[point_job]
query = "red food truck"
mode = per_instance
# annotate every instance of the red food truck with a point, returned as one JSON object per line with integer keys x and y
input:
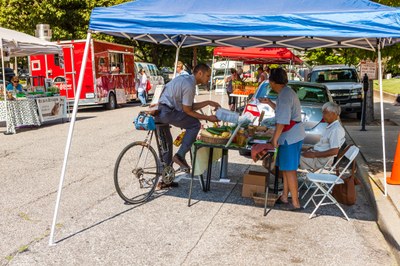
{"x": 109, "y": 77}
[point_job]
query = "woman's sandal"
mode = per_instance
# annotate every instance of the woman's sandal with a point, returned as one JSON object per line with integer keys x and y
{"x": 279, "y": 201}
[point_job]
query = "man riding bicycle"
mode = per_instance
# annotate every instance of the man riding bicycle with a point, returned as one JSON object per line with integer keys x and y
{"x": 177, "y": 107}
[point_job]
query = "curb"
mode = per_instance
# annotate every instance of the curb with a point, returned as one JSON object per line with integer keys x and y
{"x": 386, "y": 95}
{"x": 386, "y": 215}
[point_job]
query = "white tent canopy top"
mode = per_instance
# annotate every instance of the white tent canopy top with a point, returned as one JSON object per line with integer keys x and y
{"x": 21, "y": 44}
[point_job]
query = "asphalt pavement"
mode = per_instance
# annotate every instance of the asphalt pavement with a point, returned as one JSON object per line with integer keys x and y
{"x": 371, "y": 168}
{"x": 95, "y": 227}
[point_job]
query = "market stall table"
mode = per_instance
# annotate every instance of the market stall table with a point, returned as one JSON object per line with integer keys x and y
{"x": 241, "y": 100}
{"x": 20, "y": 113}
{"x": 206, "y": 184}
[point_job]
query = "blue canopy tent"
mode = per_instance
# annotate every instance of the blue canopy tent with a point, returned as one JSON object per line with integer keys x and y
{"x": 299, "y": 24}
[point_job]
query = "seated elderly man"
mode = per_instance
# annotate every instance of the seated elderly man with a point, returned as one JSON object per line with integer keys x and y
{"x": 316, "y": 157}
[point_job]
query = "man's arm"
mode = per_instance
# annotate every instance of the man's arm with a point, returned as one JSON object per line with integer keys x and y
{"x": 190, "y": 111}
{"x": 320, "y": 154}
{"x": 199, "y": 105}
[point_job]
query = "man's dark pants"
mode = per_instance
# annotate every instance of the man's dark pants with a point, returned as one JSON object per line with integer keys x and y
{"x": 168, "y": 115}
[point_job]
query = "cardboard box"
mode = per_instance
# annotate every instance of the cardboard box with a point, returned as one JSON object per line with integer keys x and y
{"x": 253, "y": 182}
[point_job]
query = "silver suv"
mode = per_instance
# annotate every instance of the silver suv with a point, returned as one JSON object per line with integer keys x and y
{"x": 343, "y": 84}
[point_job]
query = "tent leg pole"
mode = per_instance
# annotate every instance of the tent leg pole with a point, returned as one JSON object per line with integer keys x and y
{"x": 176, "y": 58}
{"x": 211, "y": 84}
{"x": 69, "y": 139}
{"x": 382, "y": 115}
{"x": 4, "y": 84}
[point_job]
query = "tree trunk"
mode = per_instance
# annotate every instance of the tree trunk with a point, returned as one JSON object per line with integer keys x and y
{"x": 194, "y": 57}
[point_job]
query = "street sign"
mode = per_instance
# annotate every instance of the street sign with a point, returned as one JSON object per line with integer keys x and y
{"x": 370, "y": 68}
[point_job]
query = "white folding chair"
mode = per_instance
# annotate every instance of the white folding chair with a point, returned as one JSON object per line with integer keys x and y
{"x": 303, "y": 172}
{"x": 325, "y": 181}
{"x": 302, "y": 176}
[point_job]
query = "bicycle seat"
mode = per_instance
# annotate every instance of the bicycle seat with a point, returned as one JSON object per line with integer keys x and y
{"x": 159, "y": 124}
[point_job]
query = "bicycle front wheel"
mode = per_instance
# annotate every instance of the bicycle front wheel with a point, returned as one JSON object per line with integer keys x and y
{"x": 136, "y": 172}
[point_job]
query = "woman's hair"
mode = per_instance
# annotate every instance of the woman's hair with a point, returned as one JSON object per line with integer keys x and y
{"x": 331, "y": 107}
{"x": 260, "y": 68}
{"x": 233, "y": 71}
{"x": 179, "y": 64}
{"x": 141, "y": 70}
{"x": 278, "y": 75}
{"x": 201, "y": 67}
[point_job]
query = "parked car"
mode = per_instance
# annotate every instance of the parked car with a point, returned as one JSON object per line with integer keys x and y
{"x": 167, "y": 73}
{"x": 9, "y": 73}
{"x": 343, "y": 83}
{"x": 312, "y": 96}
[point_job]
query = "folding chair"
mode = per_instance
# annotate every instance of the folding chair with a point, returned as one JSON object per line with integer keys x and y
{"x": 327, "y": 180}
{"x": 303, "y": 176}
{"x": 332, "y": 160}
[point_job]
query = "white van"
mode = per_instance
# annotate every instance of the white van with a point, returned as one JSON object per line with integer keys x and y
{"x": 152, "y": 72}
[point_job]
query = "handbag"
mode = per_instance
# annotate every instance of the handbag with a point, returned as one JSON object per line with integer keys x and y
{"x": 145, "y": 121}
{"x": 346, "y": 193}
{"x": 148, "y": 85}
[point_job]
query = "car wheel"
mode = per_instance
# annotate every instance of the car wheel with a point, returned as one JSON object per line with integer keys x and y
{"x": 112, "y": 102}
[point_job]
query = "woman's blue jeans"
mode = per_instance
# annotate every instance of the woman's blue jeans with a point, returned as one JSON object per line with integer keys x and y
{"x": 142, "y": 97}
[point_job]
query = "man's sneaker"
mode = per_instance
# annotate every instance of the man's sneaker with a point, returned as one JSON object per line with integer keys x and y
{"x": 162, "y": 185}
{"x": 181, "y": 162}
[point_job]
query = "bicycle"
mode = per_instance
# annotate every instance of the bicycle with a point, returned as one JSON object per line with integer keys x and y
{"x": 138, "y": 167}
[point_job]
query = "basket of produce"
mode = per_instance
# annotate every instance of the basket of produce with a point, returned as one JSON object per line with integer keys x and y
{"x": 215, "y": 135}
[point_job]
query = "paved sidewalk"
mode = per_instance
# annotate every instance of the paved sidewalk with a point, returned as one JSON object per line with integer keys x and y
{"x": 95, "y": 227}
{"x": 371, "y": 168}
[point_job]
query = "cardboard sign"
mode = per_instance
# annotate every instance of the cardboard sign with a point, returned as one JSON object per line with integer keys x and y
{"x": 370, "y": 68}
{"x": 51, "y": 108}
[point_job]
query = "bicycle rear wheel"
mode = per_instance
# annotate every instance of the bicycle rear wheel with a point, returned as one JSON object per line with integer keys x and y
{"x": 136, "y": 172}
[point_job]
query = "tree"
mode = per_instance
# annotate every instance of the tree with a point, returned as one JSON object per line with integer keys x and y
{"x": 352, "y": 56}
{"x": 69, "y": 19}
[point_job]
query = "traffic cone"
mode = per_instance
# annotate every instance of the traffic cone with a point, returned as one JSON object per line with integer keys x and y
{"x": 395, "y": 178}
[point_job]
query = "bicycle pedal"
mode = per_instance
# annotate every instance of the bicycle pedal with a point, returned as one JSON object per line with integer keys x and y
{"x": 183, "y": 170}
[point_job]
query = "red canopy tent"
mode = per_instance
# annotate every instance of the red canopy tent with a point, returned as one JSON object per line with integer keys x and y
{"x": 258, "y": 55}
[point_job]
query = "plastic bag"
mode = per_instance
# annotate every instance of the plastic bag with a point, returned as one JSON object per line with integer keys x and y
{"x": 145, "y": 122}
{"x": 227, "y": 115}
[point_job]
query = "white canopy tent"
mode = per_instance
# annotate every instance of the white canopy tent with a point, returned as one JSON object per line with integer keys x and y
{"x": 309, "y": 24}
{"x": 18, "y": 44}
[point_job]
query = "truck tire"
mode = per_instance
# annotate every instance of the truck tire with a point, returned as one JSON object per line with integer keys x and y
{"x": 112, "y": 102}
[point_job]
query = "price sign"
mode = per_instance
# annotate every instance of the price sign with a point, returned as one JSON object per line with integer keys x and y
{"x": 370, "y": 68}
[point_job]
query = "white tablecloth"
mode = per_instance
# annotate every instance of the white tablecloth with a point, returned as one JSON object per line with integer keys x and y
{"x": 20, "y": 113}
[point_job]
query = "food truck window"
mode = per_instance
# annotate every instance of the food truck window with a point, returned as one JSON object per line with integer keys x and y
{"x": 116, "y": 60}
{"x": 56, "y": 60}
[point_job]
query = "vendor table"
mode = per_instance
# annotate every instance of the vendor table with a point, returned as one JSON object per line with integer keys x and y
{"x": 241, "y": 100}
{"x": 20, "y": 113}
{"x": 32, "y": 111}
{"x": 206, "y": 185}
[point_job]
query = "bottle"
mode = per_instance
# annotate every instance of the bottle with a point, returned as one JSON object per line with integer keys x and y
{"x": 241, "y": 137}
{"x": 179, "y": 138}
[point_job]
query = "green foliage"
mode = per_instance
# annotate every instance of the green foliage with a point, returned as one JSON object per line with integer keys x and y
{"x": 389, "y": 85}
{"x": 69, "y": 20}
{"x": 352, "y": 56}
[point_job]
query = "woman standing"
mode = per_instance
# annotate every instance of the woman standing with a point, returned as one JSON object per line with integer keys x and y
{"x": 142, "y": 87}
{"x": 229, "y": 88}
{"x": 289, "y": 135}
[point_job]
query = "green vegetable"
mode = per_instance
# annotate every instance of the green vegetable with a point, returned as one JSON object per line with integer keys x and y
{"x": 213, "y": 131}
